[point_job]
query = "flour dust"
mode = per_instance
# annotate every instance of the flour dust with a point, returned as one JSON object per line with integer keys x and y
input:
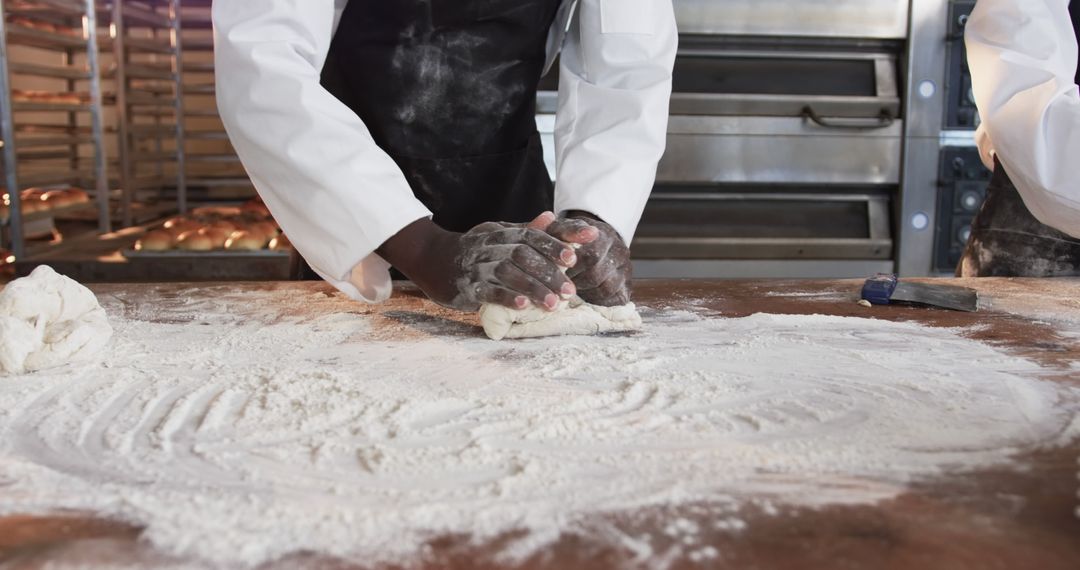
{"x": 241, "y": 429}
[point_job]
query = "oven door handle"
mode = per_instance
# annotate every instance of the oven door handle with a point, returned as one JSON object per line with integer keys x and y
{"x": 882, "y": 121}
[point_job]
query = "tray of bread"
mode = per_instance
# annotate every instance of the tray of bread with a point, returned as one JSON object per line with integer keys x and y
{"x": 215, "y": 231}
{"x": 53, "y": 97}
{"x": 42, "y": 203}
{"x": 42, "y": 26}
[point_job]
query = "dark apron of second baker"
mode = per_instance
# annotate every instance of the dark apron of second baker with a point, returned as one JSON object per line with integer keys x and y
{"x": 447, "y": 88}
{"x": 1007, "y": 240}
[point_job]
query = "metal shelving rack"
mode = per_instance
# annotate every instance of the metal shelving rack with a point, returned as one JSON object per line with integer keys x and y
{"x": 148, "y": 71}
{"x": 213, "y": 166}
{"x": 19, "y": 138}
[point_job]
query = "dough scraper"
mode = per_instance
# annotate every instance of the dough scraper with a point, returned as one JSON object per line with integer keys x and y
{"x": 885, "y": 288}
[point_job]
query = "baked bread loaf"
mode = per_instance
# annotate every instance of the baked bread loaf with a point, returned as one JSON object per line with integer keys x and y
{"x": 57, "y": 199}
{"x": 280, "y": 243}
{"x": 217, "y": 236}
{"x": 245, "y": 241}
{"x": 269, "y": 230}
{"x": 257, "y": 208}
{"x": 32, "y": 202}
{"x": 216, "y": 212}
{"x": 156, "y": 240}
{"x": 179, "y": 227}
{"x": 223, "y": 225}
{"x": 194, "y": 241}
{"x": 77, "y": 196}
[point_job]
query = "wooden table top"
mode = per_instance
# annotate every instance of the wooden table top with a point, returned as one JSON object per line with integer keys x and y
{"x": 1003, "y": 517}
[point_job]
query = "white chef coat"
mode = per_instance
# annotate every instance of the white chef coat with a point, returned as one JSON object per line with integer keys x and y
{"x": 338, "y": 196}
{"x": 1023, "y": 58}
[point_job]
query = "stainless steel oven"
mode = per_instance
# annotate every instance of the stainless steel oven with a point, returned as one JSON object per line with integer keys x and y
{"x": 790, "y": 138}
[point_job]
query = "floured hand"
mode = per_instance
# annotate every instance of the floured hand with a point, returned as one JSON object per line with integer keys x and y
{"x": 512, "y": 265}
{"x": 603, "y": 270}
{"x": 601, "y": 277}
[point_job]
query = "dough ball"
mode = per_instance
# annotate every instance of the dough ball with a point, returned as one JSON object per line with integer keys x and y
{"x": 246, "y": 241}
{"x": 49, "y": 320}
{"x": 156, "y": 240}
{"x": 194, "y": 241}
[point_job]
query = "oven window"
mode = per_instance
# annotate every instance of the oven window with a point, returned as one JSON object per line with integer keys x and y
{"x": 765, "y": 76}
{"x": 750, "y": 218}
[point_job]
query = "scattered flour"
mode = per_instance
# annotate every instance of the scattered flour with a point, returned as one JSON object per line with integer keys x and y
{"x": 250, "y": 426}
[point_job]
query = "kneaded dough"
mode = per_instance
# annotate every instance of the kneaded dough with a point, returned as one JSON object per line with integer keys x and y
{"x": 48, "y": 320}
{"x": 573, "y": 317}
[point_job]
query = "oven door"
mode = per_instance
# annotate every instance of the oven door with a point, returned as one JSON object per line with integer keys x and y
{"x": 779, "y": 150}
{"x": 777, "y": 188}
{"x": 792, "y": 223}
{"x": 841, "y": 84}
{"x": 793, "y": 78}
{"x": 881, "y": 19}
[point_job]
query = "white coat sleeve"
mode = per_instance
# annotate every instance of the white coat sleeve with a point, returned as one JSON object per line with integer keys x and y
{"x": 1023, "y": 58}
{"x": 614, "y": 94}
{"x": 335, "y": 193}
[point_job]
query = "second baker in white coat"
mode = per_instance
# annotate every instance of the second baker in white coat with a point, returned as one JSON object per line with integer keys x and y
{"x": 1023, "y": 60}
{"x": 403, "y": 133}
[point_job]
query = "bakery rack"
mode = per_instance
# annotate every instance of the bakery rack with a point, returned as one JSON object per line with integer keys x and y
{"x": 42, "y": 136}
{"x": 147, "y": 66}
{"x": 214, "y": 169}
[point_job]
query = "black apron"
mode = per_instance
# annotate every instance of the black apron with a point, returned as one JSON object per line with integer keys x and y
{"x": 1007, "y": 240}
{"x": 447, "y": 88}
{"x": 1074, "y": 14}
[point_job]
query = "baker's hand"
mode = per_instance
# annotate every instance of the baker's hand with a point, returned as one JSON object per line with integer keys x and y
{"x": 507, "y": 264}
{"x": 603, "y": 270}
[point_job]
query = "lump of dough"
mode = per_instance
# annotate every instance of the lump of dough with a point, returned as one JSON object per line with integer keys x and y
{"x": 574, "y": 317}
{"x": 18, "y": 339}
{"x": 49, "y": 320}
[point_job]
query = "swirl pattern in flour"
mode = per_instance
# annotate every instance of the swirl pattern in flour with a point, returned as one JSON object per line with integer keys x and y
{"x": 245, "y": 428}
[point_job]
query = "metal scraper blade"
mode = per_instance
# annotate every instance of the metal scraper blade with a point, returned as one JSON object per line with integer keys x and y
{"x": 945, "y": 296}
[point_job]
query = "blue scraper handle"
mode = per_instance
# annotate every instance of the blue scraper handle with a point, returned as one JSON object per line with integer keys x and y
{"x": 879, "y": 289}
